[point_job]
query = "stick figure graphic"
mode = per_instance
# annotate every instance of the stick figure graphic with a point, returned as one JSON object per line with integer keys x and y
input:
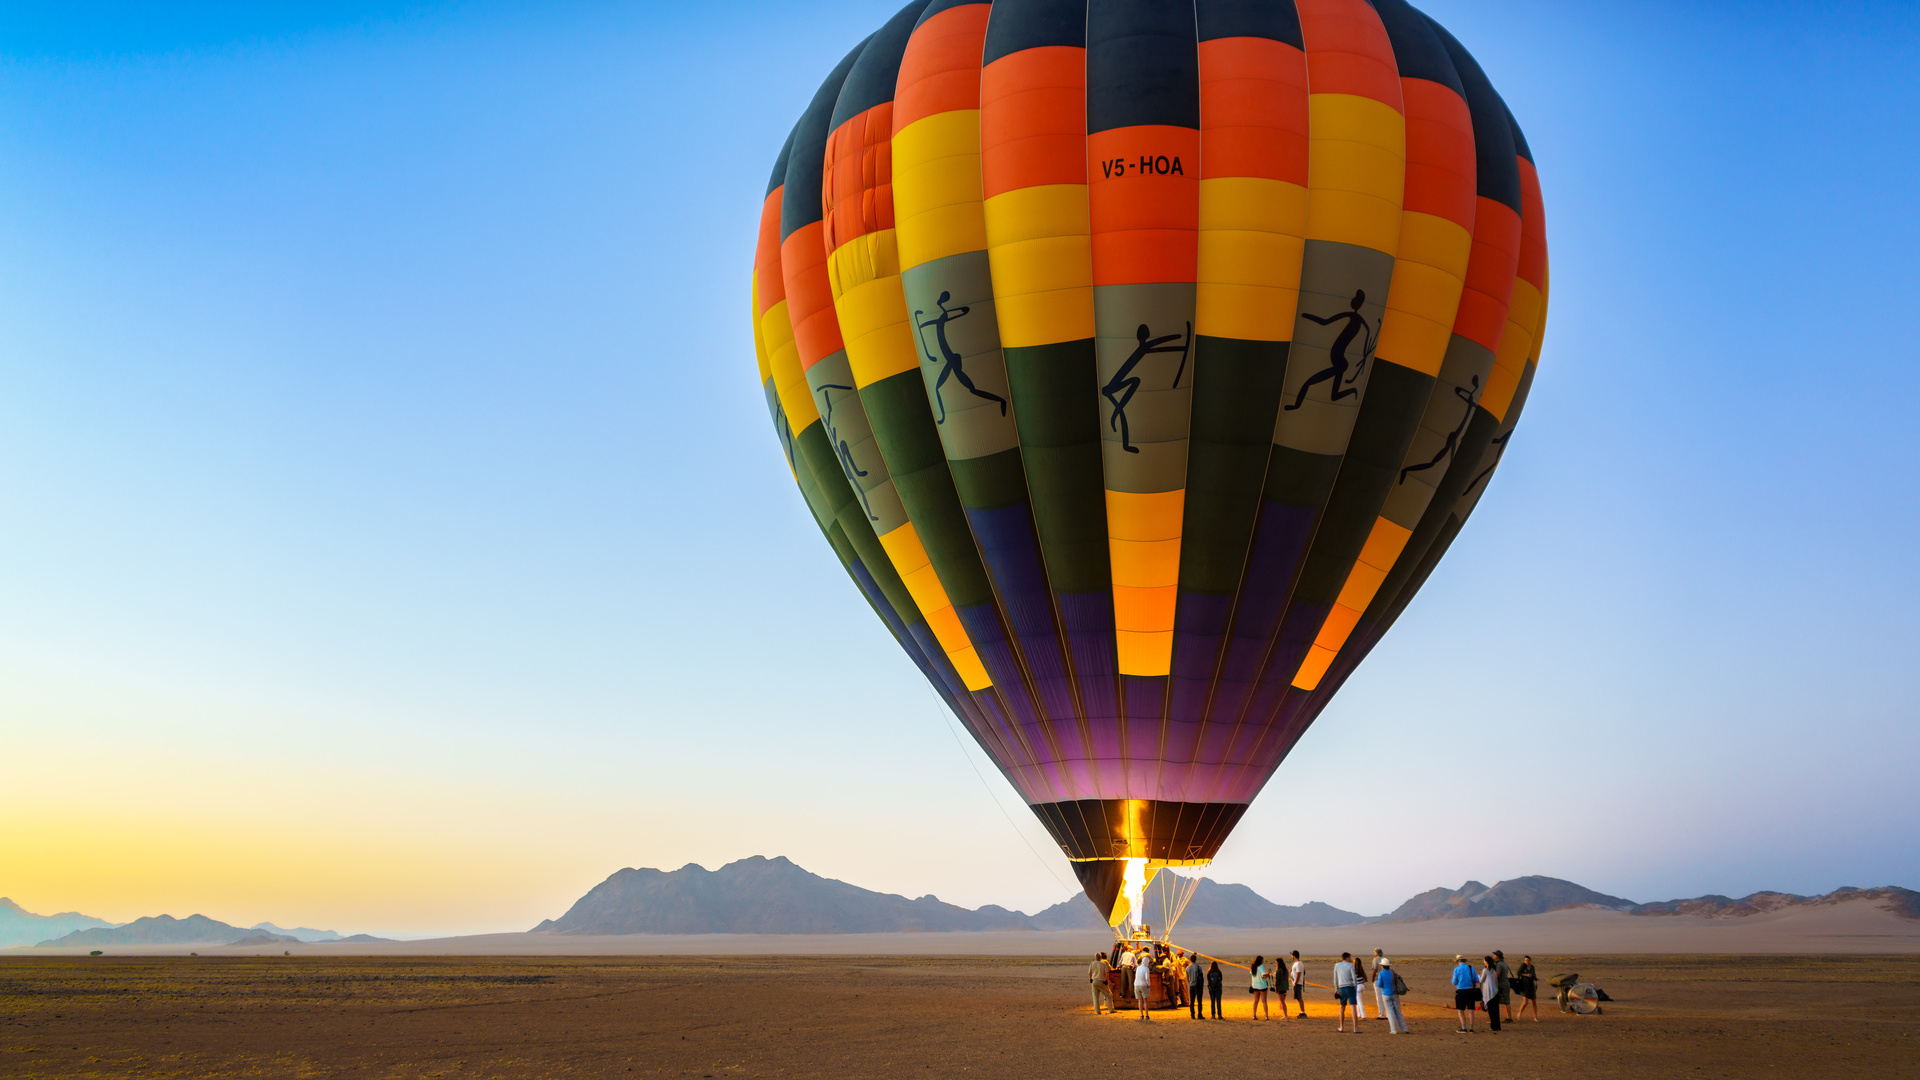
{"x": 1453, "y": 437}
{"x": 845, "y": 452}
{"x": 1356, "y": 325}
{"x": 1500, "y": 442}
{"x": 1121, "y": 388}
{"x": 952, "y": 359}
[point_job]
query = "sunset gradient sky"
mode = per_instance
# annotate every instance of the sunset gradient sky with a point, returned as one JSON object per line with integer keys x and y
{"x": 391, "y": 535}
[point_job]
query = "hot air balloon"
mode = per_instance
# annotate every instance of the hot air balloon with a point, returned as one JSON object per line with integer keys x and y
{"x": 1138, "y": 360}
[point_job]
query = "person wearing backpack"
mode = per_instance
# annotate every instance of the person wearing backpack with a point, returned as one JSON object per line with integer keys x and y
{"x": 1214, "y": 981}
{"x": 1387, "y": 988}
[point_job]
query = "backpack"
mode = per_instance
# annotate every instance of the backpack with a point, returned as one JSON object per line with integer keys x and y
{"x": 1399, "y": 984}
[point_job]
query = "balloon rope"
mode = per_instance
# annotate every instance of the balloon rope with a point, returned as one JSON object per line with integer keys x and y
{"x": 962, "y": 747}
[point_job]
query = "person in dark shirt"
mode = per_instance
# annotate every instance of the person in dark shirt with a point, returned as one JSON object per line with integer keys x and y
{"x": 1214, "y": 981}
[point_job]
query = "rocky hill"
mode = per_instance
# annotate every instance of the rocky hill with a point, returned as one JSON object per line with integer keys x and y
{"x": 1214, "y": 906}
{"x": 158, "y": 930}
{"x": 1901, "y": 901}
{"x": 760, "y": 896}
{"x": 1521, "y": 896}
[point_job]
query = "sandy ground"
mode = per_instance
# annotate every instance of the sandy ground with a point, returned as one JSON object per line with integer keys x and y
{"x": 405, "y": 1017}
{"x": 1856, "y": 927}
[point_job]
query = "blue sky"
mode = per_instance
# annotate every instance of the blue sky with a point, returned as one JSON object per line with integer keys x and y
{"x": 391, "y": 534}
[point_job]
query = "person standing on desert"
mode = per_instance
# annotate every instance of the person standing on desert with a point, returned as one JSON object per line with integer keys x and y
{"x": 1526, "y": 983}
{"x": 1277, "y": 984}
{"x": 1215, "y": 984}
{"x": 1359, "y": 985}
{"x": 1387, "y": 995}
{"x": 1196, "y": 989}
{"x": 1298, "y": 974}
{"x": 1143, "y": 984}
{"x": 1127, "y": 960}
{"x": 1257, "y": 985}
{"x": 1465, "y": 993}
{"x": 1506, "y": 982}
{"x": 1379, "y": 999}
{"x": 1346, "y": 990}
{"x": 1490, "y": 993}
{"x": 1097, "y": 983}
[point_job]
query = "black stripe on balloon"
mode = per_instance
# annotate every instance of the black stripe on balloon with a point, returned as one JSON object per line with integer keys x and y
{"x": 1030, "y": 24}
{"x": 780, "y": 167}
{"x": 800, "y": 205}
{"x": 1496, "y": 176}
{"x": 1417, "y": 50}
{"x": 1273, "y": 19}
{"x": 873, "y": 76}
{"x": 1143, "y": 66}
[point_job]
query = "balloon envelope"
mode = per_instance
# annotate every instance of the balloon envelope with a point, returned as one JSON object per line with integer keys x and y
{"x": 1138, "y": 360}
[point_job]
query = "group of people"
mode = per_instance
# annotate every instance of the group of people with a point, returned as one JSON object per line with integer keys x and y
{"x": 1493, "y": 986}
{"x": 1191, "y": 979}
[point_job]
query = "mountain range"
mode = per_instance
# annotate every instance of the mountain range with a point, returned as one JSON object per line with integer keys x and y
{"x": 18, "y": 926}
{"x": 759, "y": 895}
{"x": 192, "y": 930}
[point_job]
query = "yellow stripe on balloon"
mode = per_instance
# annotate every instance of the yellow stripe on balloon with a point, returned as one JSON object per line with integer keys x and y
{"x": 1384, "y": 545}
{"x": 937, "y": 188}
{"x": 1524, "y": 316}
{"x": 909, "y": 558}
{"x": 1429, "y": 274}
{"x": 1356, "y": 170}
{"x": 1252, "y": 238}
{"x": 1040, "y": 247}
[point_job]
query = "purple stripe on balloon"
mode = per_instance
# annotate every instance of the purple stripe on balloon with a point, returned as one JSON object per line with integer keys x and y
{"x": 982, "y": 624}
{"x": 1199, "y": 626}
{"x": 1278, "y": 543}
{"x": 1088, "y": 620}
{"x": 1011, "y": 551}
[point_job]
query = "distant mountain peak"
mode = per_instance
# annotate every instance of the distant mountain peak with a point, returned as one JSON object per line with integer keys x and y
{"x": 18, "y": 926}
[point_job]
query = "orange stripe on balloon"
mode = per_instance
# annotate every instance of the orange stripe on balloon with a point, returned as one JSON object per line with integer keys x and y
{"x": 1033, "y": 119}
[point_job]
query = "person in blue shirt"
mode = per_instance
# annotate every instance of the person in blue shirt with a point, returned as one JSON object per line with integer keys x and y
{"x": 1466, "y": 991}
{"x": 1389, "y": 999}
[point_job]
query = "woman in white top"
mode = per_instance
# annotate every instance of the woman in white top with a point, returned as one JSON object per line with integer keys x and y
{"x": 1143, "y": 982}
{"x": 1257, "y": 973}
{"x": 1490, "y": 993}
{"x": 1299, "y": 973}
{"x": 1359, "y": 990}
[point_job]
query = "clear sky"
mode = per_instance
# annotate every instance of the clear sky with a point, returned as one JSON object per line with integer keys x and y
{"x": 392, "y": 535}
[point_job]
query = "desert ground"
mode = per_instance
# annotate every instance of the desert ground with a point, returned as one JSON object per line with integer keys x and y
{"x": 847, "y": 1016}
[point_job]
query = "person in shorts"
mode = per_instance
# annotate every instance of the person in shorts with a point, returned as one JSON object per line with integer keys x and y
{"x": 1466, "y": 992}
{"x": 1346, "y": 990}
